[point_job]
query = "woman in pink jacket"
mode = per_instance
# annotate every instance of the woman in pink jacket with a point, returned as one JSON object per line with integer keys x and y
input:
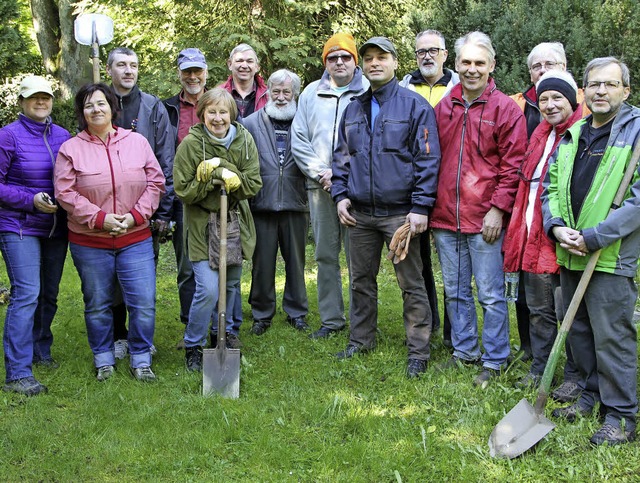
{"x": 110, "y": 183}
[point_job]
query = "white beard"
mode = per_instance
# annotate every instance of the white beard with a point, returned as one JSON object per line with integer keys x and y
{"x": 281, "y": 113}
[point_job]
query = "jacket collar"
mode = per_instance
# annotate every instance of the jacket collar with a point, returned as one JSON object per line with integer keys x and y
{"x": 417, "y": 79}
{"x": 383, "y": 94}
{"x": 34, "y": 127}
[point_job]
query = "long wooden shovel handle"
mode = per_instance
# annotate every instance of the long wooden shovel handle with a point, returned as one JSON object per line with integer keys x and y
{"x": 550, "y": 368}
{"x": 222, "y": 268}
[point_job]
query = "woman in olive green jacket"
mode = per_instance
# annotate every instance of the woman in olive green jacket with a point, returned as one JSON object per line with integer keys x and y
{"x": 216, "y": 148}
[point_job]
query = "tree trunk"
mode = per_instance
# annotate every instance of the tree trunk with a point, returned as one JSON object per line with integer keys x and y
{"x": 46, "y": 24}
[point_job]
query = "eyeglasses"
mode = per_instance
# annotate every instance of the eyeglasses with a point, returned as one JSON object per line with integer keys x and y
{"x": 547, "y": 65}
{"x": 608, "y": 85}
{"x": 432, "y": 51}
{"x": 333, "y": 59}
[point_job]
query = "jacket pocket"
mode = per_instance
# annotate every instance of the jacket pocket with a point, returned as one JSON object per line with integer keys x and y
{"x": 355, "y": 133}
{"x": 394, "y": 136}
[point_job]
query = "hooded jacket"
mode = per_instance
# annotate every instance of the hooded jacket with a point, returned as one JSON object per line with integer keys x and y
{"x": 531, "y": 250}
{"x": 448, "y": 79}
{"x": 392, "y": 167}
{"x": 28, "y": 151}
{"x": 314, "y": 132}
{"x": 618, "y": 233}
{"x": 483, "y": 145}
{"x": 283, "y": 185}
{"x": 94, "y": 178}
{"x": 200, "y": 199}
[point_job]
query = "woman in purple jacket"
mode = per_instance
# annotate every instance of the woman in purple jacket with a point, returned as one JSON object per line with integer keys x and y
{"x": 33, "y": 234}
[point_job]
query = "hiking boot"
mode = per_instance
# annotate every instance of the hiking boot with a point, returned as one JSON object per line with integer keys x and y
{"x": 324, "y": 333}
{"x": 233, "y": 342}
{"x": 298, "y": 323}
{"x": 105, "y": 372}
{"x": 612, "y": 435}
{"x": 571, "y": 413}
{"x": 47, "y": 363}
{"x": 485, "y": 377}
{"x": 457, "y": 363}
{"x": 260, "y": 326}
{"x": 529, "y": 381}
{"x": 27, "y": 386}
{"x": 143, "y": 374}
{"x": 566, "y": 392}
{"x": 120, "y": 348}
{"x": 350, "y": 351}
{"x": 415, "y": 367}
{"x": 193, "y": 356}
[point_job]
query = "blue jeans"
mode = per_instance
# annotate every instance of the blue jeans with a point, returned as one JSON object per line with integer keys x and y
{"x": 461, "y": 256}
{"x": 100, "y": 271}
{"x": 34, "y": 266}
{"x": 205, "y": 299}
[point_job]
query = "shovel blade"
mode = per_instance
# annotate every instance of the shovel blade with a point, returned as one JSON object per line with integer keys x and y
{"x": 519, "y": 430}
{"x": 221, "y": 372}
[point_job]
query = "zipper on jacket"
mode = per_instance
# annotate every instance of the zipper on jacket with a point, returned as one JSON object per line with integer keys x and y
{"x": 464, "y": 128}
{"x": 280, "y": 187}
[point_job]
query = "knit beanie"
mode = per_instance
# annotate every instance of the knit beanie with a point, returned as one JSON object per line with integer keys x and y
{"x": 551, "y": 81}
{"x": 340, "y": 41}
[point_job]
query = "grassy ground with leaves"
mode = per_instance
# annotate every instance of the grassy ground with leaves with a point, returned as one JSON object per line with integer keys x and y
{"x": 302, "y": 415}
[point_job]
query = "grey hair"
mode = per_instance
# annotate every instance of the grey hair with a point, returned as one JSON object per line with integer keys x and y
{"x": 556, "y": 48}
{"x": 559, "y": 74}
{"x": 432, "y": 32}
{"x": 243, "y": 48}
{"x": 600, "y": 62}
{"x": 479, "y": 39}
{"x": 282, "y": 75}
{"x": 121, "y": 51}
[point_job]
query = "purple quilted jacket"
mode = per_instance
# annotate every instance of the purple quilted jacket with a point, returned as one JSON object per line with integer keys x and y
{"x": 28, "y": 151}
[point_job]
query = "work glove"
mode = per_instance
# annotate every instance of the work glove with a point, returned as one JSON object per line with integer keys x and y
{"x": 205, "y": 169}
{"x": 399, "y": 246}
{"x": 231, "y": 180}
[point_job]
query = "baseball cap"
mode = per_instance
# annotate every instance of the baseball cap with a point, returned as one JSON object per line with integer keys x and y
{"x": 34, "y": 84}
{"x": 191, "y": 57}
{"x": 380, "y": 42}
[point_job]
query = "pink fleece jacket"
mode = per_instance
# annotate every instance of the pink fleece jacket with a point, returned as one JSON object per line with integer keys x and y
{"x": 93, "y": 178}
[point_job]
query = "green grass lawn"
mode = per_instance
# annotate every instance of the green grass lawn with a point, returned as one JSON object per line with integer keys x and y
{"x": 302, "y": 415}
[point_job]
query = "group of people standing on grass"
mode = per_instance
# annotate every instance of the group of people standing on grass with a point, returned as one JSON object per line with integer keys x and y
{"x": 521, "y": 185}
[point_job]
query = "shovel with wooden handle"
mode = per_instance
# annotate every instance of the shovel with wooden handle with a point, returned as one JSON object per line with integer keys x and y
{"x": 525, "y": 425}
{"x": 221, "y": 366}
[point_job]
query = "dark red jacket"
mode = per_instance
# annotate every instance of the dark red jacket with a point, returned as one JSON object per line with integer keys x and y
{"x": 533, "y": 252}
{"x": 482, "y": 147}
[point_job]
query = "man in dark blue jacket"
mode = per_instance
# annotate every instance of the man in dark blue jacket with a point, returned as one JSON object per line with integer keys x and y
{"x": 385, "y": 170}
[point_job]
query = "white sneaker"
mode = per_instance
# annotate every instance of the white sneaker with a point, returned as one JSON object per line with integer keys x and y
{"x": 121, "y": 348}
{"x": 143, "y": 374}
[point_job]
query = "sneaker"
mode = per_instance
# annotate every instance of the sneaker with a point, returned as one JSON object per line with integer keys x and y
{"x": 350, "y": 351}
{"x": 324, "y": 333}
{"x": 485, "y": 377}
{"x": 571, "y": 413}
{"x": 233, "y": 342}
{"x": 260, "y": 326}
{"x": 415, "y": 367}
{"x": 105, "y": 372}
{"x": 566, "y": 392}
{"x": 193, "y": 356}
{"x": 529, "y": 381}
{"x": 298, "y": 323}
{"x": 47, "y": 363}
{"x": 143, "y": 374}
{"x": 612, "y": 435}
{"x": 121, "y": 348}
{"x": 27, "y": 386}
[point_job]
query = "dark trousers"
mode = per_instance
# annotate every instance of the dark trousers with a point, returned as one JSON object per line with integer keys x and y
{"x": 287, "y": 230}
{"x": 366, "y": 241}
{"x": 603, "y": 340}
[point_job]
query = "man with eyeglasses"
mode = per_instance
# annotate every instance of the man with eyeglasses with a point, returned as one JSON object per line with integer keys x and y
{"x": 431, "y": 80}
{"x": 314, "y": 134}
{"x": 542, "y": 58}
{"x": 583, "y": 177}
{"x": 245, "y": 83}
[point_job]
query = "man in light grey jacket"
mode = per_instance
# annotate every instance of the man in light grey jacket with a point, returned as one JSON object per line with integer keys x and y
{"x": 313, "y": 138}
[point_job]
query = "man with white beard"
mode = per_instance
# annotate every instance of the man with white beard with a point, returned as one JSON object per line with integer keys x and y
{"x": 280, "y": 209}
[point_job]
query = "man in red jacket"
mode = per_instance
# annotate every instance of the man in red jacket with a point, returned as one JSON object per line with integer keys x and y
{"x": 245, "y": 84}
{"x": 483, "y": 138}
